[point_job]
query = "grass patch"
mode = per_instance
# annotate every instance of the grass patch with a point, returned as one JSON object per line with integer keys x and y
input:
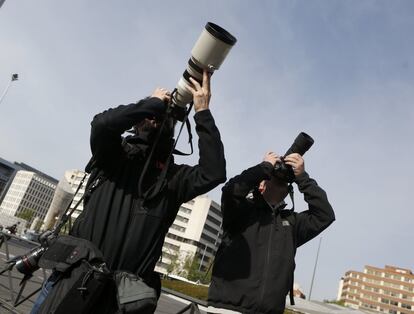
{"x": 195, "y": 291}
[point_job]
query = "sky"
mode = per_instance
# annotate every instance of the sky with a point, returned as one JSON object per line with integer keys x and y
{"x": 341, "y": 71}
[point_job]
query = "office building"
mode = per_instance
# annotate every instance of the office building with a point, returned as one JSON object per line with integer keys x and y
{"x": 30, "y": 194}
{"x": 7, "y": 171}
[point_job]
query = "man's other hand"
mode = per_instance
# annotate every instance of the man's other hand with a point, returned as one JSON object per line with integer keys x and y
{"x": 162, "y": 94}
{"x": 271, "y": 157}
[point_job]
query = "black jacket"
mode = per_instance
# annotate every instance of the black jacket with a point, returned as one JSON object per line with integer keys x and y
{"x": 131, "y": 233}
{"x": 253, "y": 270}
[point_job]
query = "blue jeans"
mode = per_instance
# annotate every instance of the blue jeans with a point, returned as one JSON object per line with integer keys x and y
{"x": 46, "y": 287}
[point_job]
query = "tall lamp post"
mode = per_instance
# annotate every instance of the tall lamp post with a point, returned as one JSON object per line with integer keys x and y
{"x": 314, "y": 269}
{"x": 14, "y": 77}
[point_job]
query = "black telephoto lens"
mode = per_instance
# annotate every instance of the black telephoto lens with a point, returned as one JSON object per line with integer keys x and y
{"x": 300, "y": 146}
{"x": 27, "y": 264}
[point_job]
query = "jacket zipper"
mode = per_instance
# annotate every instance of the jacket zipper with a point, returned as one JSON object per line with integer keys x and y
{"x": 131, "y": 215}
{"x": 267, "y": 258}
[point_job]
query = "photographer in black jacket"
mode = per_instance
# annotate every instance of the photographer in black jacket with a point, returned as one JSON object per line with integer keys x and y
{"x": 127, "y": 227}
{"x": 253, "y": 269}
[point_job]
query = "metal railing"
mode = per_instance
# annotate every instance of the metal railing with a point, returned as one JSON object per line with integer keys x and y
{"x": 17, "y": 297}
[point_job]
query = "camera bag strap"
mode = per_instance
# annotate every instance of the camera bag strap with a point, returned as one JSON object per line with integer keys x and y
{"x": 190, "y": 140}
{"x": 291, "y": 195}
{"x": 291, "y": 218}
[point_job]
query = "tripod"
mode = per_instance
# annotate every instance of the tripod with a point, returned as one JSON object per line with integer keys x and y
{"x": 25, "y": 264}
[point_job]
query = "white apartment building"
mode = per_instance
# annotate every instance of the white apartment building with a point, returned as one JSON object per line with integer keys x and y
{"x": 196, "y": 231}
{"x": 28, "y": 191}
{"x": 74, "y": 177}
{"x": 65, "y": 195}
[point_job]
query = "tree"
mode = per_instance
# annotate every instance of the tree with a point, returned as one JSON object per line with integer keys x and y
{"x": 26, "y": 214}
{"x": 207, "y": 276}
{"x": 193, "y": 272}
{"x": 38, "y": 225}
{"x": 174, "y": 263}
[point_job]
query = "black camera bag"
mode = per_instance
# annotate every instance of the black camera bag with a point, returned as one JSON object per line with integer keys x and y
{"x": 82, "y": 276}
{"x": 134, "y": 296}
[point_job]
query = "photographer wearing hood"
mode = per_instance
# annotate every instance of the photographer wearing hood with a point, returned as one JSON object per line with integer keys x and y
{"x": 128, "y": 213}
{"x": 253, "y": 269}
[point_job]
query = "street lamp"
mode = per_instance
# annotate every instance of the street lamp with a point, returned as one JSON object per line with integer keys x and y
{"x": 314, "y": 268}
{"x": 14, "y": 77}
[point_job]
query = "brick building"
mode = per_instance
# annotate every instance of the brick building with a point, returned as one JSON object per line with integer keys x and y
{"x": 384, "y": 290}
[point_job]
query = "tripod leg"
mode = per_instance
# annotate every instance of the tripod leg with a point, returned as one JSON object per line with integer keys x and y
{"x": 8, "y": 267}
{"x": 194, "y": 309}
{"x": 184, "y": 309}
{"x": 28, "y": 297}
{"x": 22, "y": 285}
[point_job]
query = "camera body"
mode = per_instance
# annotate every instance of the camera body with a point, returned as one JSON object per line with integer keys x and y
{"x": 301, "y": 145}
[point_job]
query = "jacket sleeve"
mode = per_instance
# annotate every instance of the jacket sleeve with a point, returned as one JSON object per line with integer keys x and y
{"x": 108, "y": 126}
{"x": 233, "y": 198}
{"x": 210, "y": 171}
{"x": 319, "y": 215}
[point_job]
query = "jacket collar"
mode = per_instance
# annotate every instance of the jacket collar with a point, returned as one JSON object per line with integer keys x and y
{"x": 257, "y": 197}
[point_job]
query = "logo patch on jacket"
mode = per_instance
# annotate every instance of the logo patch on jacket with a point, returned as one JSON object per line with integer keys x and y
{"x": 285, "y": 223}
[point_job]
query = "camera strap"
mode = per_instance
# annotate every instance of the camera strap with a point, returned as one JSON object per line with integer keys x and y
{"x": 190, "y": 139}
{"x": 154, "y": 190}
{"x": 66, "y": 216}
{"x": 291, "y": 195}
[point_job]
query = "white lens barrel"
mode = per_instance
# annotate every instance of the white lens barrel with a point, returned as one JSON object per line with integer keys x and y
{"x": 208, "y": 53}
{"x": 212, "y": 47}
{"x": 195, "y": 70}
{"x": 183, "y": 96}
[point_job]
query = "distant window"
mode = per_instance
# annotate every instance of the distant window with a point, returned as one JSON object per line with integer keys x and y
{"x": 208, "y": 238}
{"x": 212, "y": 230}
{"x": 213, "y": 220}
{"x": 185, "y": 210}
{"x": 181, "y": 218}
{"x": 171, "y": 246}
{"x": 176, "y": 227}
{"x": 216, "y": 211}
